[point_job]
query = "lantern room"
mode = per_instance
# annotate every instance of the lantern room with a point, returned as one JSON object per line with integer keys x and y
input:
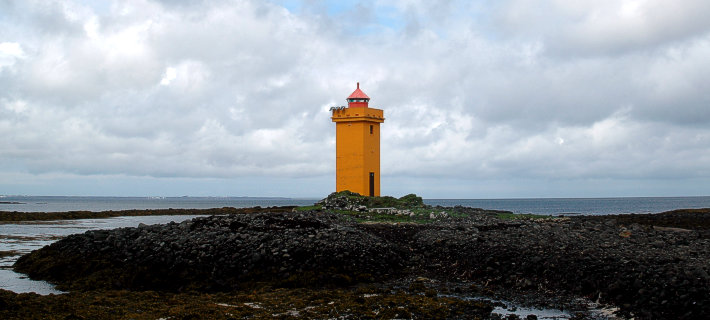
{"x": 358, "y": 99}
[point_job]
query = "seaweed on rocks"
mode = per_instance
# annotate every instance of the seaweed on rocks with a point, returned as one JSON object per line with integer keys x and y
{"x": 300, "y": 303}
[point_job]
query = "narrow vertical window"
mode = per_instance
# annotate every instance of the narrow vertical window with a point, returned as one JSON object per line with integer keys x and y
{"x": 372, "y": 184}
{"x": 371, "y": 129}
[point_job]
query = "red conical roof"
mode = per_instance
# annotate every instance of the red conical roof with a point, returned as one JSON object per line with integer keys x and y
{"x": 358, "y": 94}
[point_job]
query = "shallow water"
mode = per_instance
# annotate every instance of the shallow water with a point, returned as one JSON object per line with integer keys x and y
{"x": 18, "y": 239}
{"x": 17, "y": 282}
{"x": 541, "y": 313}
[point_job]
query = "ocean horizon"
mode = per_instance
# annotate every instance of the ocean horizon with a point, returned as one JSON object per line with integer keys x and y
{"x": 552, "y": 206}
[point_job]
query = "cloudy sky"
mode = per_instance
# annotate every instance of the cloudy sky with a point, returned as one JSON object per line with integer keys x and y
{"x": 482, "y": 99}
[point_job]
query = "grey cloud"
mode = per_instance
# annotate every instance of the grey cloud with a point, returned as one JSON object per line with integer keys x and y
{"x": 241, "y": 88}
{"x": 605, "y": 27}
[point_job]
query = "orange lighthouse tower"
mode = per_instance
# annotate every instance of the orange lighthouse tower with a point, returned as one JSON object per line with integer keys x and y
{"x": 357, "y": 145}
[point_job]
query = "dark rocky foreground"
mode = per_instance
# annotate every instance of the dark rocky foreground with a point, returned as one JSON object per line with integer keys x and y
{"x": 266, "y": 303}
{"x": 650, "y": 266}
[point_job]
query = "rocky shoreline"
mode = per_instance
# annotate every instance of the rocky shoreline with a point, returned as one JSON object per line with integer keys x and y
{"x": 16, "y": 216}
{"x": 649, "y": 266}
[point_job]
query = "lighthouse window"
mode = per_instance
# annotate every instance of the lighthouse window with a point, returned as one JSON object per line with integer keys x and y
{"x": 370, "y": 129}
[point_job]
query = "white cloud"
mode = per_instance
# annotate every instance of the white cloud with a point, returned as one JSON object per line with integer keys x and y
{"x": 608, "y": 26}
{"x": 16, "y": 106}
{"x": 9, "y": 52}
{"x": 169, "y": 76}
{"x": 233, "y": 89}
{"x": 11, "y": 49}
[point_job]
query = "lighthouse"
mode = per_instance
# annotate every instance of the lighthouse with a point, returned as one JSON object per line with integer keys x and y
{"x": 357, "y": 145}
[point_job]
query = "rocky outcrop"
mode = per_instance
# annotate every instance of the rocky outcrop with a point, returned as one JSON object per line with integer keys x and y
{"x": 649, "y": 270}
{"x": 351, "y": 201}
{"x": 650, "y": 273}
{"x": 218, "y": 253}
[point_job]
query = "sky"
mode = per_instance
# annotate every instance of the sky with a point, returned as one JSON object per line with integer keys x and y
{"x": 482, "y": 99}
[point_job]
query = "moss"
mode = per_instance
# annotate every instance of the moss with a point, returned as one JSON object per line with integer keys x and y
{"x": 406, "y": 202}
{"x": 411, "y": 200}
{"x": 308, "y": 208}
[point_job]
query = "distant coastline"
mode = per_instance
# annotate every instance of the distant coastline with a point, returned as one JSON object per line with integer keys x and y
{"x": 11, "y": 217}
{"x": 549, "y": 206}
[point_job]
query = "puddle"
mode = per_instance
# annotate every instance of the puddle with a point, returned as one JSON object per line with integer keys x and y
{"x": 541, "y": 313}
{"x": 506, "y": 308}
{"x": 17, "y": 282}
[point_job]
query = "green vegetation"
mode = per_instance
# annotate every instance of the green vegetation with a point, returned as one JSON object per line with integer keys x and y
{"x": 409, "y": 208}
{"x": 406, "y": 202}
{"x": 308, "y": 208}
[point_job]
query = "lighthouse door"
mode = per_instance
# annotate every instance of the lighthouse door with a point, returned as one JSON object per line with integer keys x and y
{"x": 372, "y": 184}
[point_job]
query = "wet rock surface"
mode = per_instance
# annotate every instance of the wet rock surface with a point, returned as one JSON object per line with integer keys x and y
{"x": 645, "y": 265}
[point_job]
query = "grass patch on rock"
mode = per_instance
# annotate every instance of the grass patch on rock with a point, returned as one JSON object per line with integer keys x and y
{"x": 308, "y": 208}
{"x": 344, "y": 199}
{"x": 407, "y": 209}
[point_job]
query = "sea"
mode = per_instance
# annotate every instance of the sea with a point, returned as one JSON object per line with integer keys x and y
{"x": 20, "y": 238}
{"x": 550, "y": 206}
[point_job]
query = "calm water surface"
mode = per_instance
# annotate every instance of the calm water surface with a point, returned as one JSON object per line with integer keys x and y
{"x": 538, "y": 206}
{"x": 63, "y": 204}
{"x": 590, "y": 206}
